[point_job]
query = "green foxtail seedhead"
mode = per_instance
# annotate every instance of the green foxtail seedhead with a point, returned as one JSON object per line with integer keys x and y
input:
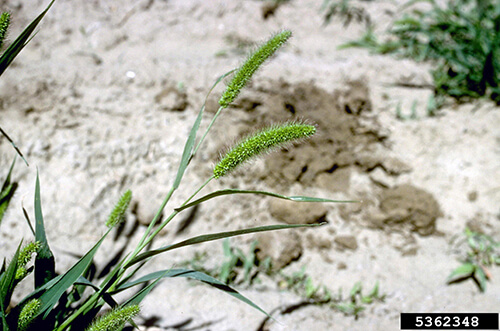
{"x": 254, "y": 61}
{"x": 266, "y": 140}
{"x": 25, "y": 257}
{"x": 118, "y": 212}
{"x": 4, "y": 25}
{"x": 115, "y": 319}
{"x": 29, "y": 311}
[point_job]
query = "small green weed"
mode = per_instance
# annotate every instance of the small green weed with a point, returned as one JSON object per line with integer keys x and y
{"x": 356, "y": 302}
{"x": 238, "y": 268}
{"x": 404, "y": 117}
{"x": 484, "y": 252}
{"x": 461, "y": 38}
{"x": 236, "y": 259}
{"x": 303, "y": 285}
{"x": 430, "y": 110}
{"x": 346, "y": 11}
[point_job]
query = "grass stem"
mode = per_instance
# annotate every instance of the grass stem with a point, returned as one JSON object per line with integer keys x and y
{"x": 206, "y": 132}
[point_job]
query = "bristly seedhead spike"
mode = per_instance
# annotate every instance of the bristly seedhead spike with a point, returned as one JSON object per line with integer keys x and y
{"x": 4, "y": 25}
{"x": 254, "y": 61}
{"x": 24, "y": 258}
{"x": 28, "y": 313}
{"x": 115, "y": 319}
{"x": 118, "y": 213}
{"x": 264, "y": 141}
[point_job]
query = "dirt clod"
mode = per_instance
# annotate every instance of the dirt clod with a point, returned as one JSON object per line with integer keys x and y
{"x": 283, "y": 248}
{"x": 297, "y": 213}
{"x": 348, "y": 242}
{"x": 406, "y": 205}
{"x": 171, "y": 98}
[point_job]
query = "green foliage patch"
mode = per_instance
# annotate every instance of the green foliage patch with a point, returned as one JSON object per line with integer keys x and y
{"x": 461, "y": 39}
{"x": 483, "y": 253}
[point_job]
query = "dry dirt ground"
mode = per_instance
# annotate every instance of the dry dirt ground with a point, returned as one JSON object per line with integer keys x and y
{"x": 102, "y": 100}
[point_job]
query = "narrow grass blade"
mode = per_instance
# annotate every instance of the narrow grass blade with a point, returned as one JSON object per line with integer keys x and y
{"x": 188, "y": 148}
{"x": 8, "y": 279}
{"x": 187, "y": 154}
{"x": 197, "y": 275}
{"x": 14, "y": 145}
{"x": 21, "y": 41}
{"x": 7, "y": 182}
{"x": 52, "y": 295}
{"x": 139, "y": 296}
{"x": 7, "y": 192}
{"x": 44, "y": 262}
{"x": 25, "y": 213}
{"x": 5, "y": 327}
{"x": 80, "y": 285}
{"x": 131, "y": 274}
{"x": 236, "y": 191}
{"x": 214, "y": 236}
{"x": 85, "y": 282}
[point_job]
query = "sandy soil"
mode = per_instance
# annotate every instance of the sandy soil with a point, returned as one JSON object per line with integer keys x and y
{"x": 102, "y": 100}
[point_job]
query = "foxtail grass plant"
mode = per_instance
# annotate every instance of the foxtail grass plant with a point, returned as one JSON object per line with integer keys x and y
{"x": 73, "y": 299}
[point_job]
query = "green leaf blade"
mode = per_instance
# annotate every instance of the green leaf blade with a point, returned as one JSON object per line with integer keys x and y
{"x": 18, "y": 151}
{"x": 481, "y": 278}
{"x": 7, "y": 192}
{"x": 189, "y": 151}
{"x": 8, "y": 280}
{"x": 197, "y": 275}
{"x": 44, "y": 262}
{"x": 464, "y": 271}
{"x": 9, "y": 55}
{"x": 215, "y": 236}
{"x": 52, "y": 295}
{"x": 296, "y": 198}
